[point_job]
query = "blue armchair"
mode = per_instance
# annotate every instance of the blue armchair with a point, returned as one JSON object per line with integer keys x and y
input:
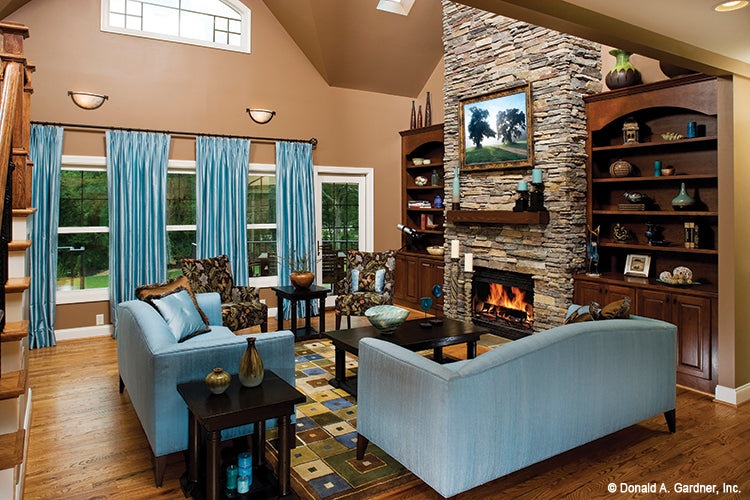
{"x": 462, "y": 424}
{"x": 151, "y": 364}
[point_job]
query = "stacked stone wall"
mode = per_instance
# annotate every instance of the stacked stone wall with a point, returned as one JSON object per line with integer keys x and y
{"x": 484, "y": 53}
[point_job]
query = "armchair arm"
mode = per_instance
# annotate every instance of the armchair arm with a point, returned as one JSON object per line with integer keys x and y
{"x": 244, "y": 294}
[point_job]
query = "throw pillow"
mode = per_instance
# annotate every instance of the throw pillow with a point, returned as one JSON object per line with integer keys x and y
{"x": 619, "y": 309}
{"x": 159, "y": 289}
{"x": 178, "y": 310}
{"x": 579, "y": 316}
{"x": 355, "y": 280}
{"x": 372, "y": 281}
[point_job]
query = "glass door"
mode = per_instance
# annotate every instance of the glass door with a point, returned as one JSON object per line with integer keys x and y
{"x": 341, "y": 208}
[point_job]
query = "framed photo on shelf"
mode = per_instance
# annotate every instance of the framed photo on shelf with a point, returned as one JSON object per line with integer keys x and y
{"x": 637, "y": 265}
{"x": 496, "y": 130}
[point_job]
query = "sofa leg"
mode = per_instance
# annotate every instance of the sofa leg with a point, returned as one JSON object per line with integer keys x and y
{"x": 671, "y": 420}
{"x": 361, "y": 446}
{"x": 160, "y": 465}
{"x": 338, "y": 321}
{"x": 122, "y": 385}
{"x": 264, "y": 326}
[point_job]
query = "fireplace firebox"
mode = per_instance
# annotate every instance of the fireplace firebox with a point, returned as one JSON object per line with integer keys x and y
{"x": 503, "y": 302}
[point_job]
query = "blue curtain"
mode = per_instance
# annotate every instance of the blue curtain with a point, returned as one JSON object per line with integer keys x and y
{"x": 221, "y": 167}
{"x": 46, "y": 152}
{"x": 295, "y": 211}
{"x": 137, "y": 190}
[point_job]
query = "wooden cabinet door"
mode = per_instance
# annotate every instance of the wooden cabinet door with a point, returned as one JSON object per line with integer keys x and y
{"x": 586, "y": 292}
{"x": 399, "y": 279}
{"x": 615, "y": 292}
{"x": 692, "y": 315}
{"x": 653, "y": 304}
{"x": 431, "y": 275}
{"x": 413, "y": 283}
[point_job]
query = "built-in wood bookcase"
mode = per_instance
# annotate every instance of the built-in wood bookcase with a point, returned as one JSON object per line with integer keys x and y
{"x": 658, "y": 108}
{"x": 416, "y": 270}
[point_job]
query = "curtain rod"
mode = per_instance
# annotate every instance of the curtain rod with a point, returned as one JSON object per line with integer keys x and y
{"x": 312, "y": 141}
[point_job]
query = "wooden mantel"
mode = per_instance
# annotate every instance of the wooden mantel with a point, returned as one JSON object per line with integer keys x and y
{"x": 497, "y": 217}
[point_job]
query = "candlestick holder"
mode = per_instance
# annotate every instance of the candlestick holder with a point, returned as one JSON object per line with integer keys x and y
{"x": 468, "y": 277}
{"x": 453, "y": 285}
{"x": 522, "y": 203}
{"x": 536, "y": 203}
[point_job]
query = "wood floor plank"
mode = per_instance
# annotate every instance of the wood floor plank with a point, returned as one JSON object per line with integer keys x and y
{"x": 86, "y": 441}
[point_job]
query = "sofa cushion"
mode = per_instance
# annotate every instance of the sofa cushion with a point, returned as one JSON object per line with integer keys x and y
{"x": 157, "y": 289}
{"x": 180, "y": 313}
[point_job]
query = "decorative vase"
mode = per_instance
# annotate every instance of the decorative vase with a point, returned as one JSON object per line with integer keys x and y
{"x": 427, "y": 112}
{"x": 683, "y": 200}
{"x": 623, "y": 74}
{"x": 302, "y": 281}
{"x": 419, "y": 117}
{"x": 218, "y": 380}
{"x": 413, "y": 121}
{"x": 251, "y": 366}
{"x": 650, "y": 233}
{"x": 620, "y": 168}
{"x": 435, "y": 178}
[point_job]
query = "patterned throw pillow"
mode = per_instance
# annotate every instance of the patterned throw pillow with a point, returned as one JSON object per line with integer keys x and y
{"x": 178, "y": 310}
{"x": 159, "y": 289}
{"x": 372, "y": 281}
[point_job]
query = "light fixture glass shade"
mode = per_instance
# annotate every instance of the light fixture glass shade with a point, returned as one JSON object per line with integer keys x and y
{"x": 87, "y": 100}
{"x": 729, "y": 6}
{"x": 261, "y": 115}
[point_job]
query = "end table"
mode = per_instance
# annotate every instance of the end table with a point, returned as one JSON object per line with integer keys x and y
{"x": 295, "y": 295}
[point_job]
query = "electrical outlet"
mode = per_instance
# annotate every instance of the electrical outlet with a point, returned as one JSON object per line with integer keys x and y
{"x": 99, "y": 319}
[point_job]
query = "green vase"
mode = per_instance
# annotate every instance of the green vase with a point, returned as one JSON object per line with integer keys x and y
{"x": 683, "y": 201}
{"x": 218, "y": 380}
{"x": 251, "y": 366}
{"x": 623, "y": 74}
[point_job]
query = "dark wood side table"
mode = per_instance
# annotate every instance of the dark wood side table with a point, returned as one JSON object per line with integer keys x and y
{"x": 294, "y": 295}
{"x": 238, "y": 405}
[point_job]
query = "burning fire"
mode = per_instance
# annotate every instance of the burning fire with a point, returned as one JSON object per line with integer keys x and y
{"x": 500, "y": 304}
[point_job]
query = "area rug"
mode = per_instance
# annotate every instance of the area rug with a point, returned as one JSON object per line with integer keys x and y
{"x": 324, "y": 463}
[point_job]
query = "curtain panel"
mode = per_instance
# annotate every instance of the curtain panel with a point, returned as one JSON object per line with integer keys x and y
{"x": 221, "y": 169}
{"x": 295, "y": 212}
{"x": 45, "y": 151}
{"x": 137, "y": 191}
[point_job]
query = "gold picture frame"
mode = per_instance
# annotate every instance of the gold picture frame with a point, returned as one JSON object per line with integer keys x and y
{"x": 637, "y": 265}
{"x": 500, "y": 127}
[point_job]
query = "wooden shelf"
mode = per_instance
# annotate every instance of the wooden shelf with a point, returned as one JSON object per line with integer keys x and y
{"x": 17, "y": 285}
{"x": 663, "y": 178}
{"x": 424, "y": 188}
{"x": 19, "y": 246}
{"x": 497, "y": 217}
{"x": 432, "y": 210}
{"x": 23, "y": 212}
{"x": 422, "y": 255}
{"x": 655, "y": 248}
{"x": 660, "y": 143}
{"x": 11, "y": 449}
{"x": 429, "y": 231}
{"x": 12, "y": 384}
{"x": 430, "y": 165}
{"x": 659, "y": 213}
{"x": 704, "y": 289}
{"x": 14, "y": 330}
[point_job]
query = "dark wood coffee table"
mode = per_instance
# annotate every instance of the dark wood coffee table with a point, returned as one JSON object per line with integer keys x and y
{"x": 238, "y": 405}
{"x": 409, "y": 335}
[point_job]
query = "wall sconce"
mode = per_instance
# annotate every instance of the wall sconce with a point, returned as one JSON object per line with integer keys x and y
{"x": 87, "y": 100}
{"x": 261, "y": 115}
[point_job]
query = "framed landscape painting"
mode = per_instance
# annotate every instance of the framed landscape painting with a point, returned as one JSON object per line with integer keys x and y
{"x": 496, "y": 130}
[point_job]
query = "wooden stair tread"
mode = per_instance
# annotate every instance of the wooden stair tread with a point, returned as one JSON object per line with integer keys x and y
{"x": 14, "y": 330}
{"x": 19, "y": 245}
{"x": 17, "y": 285}
{"x": 12, "y": 384}
{"x": 11, "y": 449}
{"x": 23, "y": 212}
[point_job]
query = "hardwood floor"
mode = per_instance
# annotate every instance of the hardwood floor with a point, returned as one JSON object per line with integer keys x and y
{"x": 86, "y": 442}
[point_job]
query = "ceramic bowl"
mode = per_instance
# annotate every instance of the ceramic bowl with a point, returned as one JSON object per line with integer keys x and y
{"x": 435, "y": 250}
{"x": 420, "y": 181}
{"x": 386, "y": 318}
{"x": 417, "y": 161}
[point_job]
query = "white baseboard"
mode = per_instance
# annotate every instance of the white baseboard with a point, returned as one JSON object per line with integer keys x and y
{"x": 84, "y": 332}
{"x": 733, "y": 396}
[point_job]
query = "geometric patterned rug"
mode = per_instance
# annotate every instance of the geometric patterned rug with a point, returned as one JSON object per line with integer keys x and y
{"x": 324, "y": 464}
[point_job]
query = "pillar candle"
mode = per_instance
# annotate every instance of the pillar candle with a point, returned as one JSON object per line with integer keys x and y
{"x": 243, "y": 484}
{"x": 454, "y": 249}
{"x": 469, "y": 263}
{"x": 232, "y": 474}
{"x": 245, "y": 459}
{"x": 522, "y": 186}
{"x": 536, "y": 175}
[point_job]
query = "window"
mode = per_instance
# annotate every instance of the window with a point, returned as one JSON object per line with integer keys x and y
{"x": 222, "y": 24}
{"x": 180, "y": 217}
{"x": 83, "y": 239}
{"x": 261, "y": 226}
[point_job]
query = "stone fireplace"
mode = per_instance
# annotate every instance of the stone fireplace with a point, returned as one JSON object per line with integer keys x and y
{"x": 503, "y": 301}
{"x": 485, "y": 53}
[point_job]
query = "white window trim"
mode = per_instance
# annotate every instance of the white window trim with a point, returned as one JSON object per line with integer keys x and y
{"x": 237, "y": 5}
{"x": 263, "y": 169}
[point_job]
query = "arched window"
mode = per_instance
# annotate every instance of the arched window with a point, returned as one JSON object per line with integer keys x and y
{"x": 222, "y": 24}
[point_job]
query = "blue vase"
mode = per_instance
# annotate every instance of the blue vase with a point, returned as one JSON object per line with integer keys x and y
{"x": 438, "y": 203}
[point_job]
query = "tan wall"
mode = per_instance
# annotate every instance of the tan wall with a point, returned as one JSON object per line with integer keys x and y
{"x": 434, "y": 86}
{"x": 163, "y": 85}
{"x": 79, "y": 315}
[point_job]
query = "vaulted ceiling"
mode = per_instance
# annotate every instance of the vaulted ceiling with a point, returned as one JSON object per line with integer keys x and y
{"x": 354, "y": 45}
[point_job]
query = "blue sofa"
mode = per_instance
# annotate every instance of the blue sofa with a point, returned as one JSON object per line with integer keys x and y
{"x": 151, "y": 364}
{"x": 462, "y": 424}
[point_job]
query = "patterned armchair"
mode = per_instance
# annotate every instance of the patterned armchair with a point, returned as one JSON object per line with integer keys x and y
{"x": 349, "y": 303}
{"x": 240, "y": 306}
